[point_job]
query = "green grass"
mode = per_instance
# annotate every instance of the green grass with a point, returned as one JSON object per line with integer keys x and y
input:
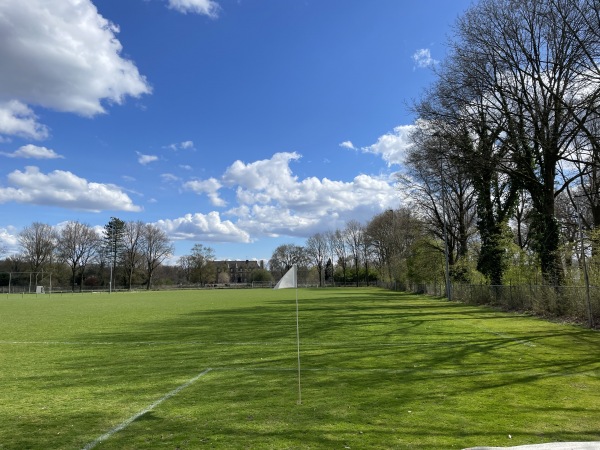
{"x": 380, "y": 370}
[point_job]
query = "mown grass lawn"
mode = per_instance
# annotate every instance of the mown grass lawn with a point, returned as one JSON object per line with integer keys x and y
{"x": 218, "y": 369}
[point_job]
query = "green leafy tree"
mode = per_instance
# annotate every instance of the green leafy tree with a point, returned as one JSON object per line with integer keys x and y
{"x": 113, "y": 245}
{"x": 201, "y": 261}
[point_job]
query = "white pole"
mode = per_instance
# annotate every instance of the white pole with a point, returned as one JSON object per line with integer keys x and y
{"x": 298, "y": 335}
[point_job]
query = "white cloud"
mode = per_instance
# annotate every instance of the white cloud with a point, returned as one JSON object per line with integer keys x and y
{"x": 64, "y": 189}
{"x": 348, "y": 144}
{"x": 392, "y": 147}
{"x": 423, "y": 59}
{"x": 30, "y": 151}
{"x": 205, "y": 7}
{"x": 17, "y": 119}
{"x": 169, "y": 177}
{"x": 209, "y": 187}
{"x": 9, "y": 240}
{"x": 146, "y": 159}
{"x": 205, "y": 227}
{"x": 62, "y": 55}
{"x": 274, "y": 201}
{"x": 185, "y": 145}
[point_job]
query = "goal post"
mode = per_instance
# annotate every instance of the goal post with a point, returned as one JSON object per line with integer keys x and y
{"x": 29, "y": 282}
{"x": 262, "y": 284}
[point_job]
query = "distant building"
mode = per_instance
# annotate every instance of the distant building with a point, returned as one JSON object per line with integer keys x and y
{"x": 236, "y": 271}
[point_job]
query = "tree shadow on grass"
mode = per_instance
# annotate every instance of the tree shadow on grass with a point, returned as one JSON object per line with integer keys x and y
{"x": 405, "y": 370}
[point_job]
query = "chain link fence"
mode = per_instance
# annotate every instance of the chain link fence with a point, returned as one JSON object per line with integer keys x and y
{"x": 572, "y": 303}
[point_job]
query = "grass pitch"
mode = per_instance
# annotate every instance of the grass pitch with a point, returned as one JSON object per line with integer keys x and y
{"x": 218, "y": 369}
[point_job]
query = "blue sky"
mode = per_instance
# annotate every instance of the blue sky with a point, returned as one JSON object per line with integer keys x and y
{"x": 237, "y": 124}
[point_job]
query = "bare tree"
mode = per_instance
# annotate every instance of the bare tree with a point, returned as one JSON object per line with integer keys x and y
{"x": 285, "y": 256}
{"x": 354, "y": 234}
{"x": 464, "y": 125}
{"x": 442, "y": 193}
{"x": 78, "y": 243}
{"x": 156, "y": 247}
{"x": 393, "y": 234}
{"x": 316, "y": 249}
{"x": 132, "y": 238}
{"x": 38, "y": 242}
{"x": 537, "y": 61}
{"x": 339, "y": 247}
{"x": 186, "y": 265}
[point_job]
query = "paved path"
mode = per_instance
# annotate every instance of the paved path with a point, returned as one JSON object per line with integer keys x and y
{"x": 550, "y": 446}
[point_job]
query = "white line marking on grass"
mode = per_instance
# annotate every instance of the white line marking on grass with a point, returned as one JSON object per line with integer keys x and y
{"x": 317, "y": 344}
{"x": 128, "y": 422}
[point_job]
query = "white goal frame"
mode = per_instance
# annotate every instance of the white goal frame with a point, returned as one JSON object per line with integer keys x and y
{"x": 33, "y": 288}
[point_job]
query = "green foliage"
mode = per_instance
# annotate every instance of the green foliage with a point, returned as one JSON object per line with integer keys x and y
{"x": 351, "y": 275}
{"x": 261, "y": 275}
{"x": 425, "y": 263}
{"x": 545, "y": 236}
{"x": 523, "y": 267}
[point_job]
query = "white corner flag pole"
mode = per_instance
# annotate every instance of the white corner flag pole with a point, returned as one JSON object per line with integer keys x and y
{"x": 290, "y": 280}
{"x": 298, "y": 336}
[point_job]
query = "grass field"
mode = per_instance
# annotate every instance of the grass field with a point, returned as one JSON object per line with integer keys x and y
{"x": 218, "y": 369}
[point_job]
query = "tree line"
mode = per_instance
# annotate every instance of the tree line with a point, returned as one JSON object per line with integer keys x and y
{"x": 392, "y": 246}
{"x": 502, "y": 175}
{"x": 123, "y": 254}
{"x": 506, "y": 151}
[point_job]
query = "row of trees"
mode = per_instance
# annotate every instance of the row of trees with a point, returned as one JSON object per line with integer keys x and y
{"x": 507, "y": 148}
{"x": 391, "y": 246}
{"x": 126, "y": 251}
{"x": 504, "y": 169}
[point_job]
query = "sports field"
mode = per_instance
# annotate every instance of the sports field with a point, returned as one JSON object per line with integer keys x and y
{"x": 218, "y": 369}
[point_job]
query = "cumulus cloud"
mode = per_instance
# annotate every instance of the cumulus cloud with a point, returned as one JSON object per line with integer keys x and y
{"x": 33, "y": 152}
{"x": 62, "y": 55}
{"x": 423, "y": 59}
{"x": 64, "y": 189}
{"x": 205, "y": 7}
{"x": 392, "y": 147}
{"x": 273, "y": 201}
{"x": 9, "y": 240}
{"x": 270, "y": 200}
{"x": 146, "y": 159}
{"x": 348, "y": 145}
{"x": 17, "y": 119}
{"x": 204, "y": 227}
{"x": 209, "y": 187}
